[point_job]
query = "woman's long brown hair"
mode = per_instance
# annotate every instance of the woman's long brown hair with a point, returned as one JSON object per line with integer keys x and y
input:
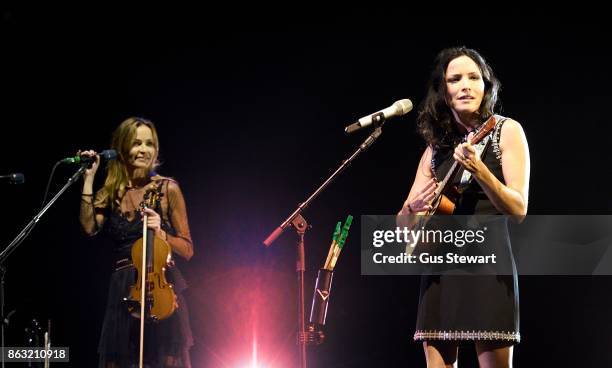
{"x": 122, "y": 141}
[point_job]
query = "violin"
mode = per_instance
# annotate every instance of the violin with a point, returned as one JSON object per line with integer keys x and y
{"x": 151, "y": 255}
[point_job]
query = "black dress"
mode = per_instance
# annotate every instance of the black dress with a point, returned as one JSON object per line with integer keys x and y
{"x": 471, "y": 307}
{"x": 119, "y": 340}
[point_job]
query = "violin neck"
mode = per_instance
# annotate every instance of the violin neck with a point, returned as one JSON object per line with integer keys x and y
{"x": 148, "y": 234}
{"x": 150, "y": 237}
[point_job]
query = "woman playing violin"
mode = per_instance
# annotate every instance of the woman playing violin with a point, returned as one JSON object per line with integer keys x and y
{"x": 116, "y": 208}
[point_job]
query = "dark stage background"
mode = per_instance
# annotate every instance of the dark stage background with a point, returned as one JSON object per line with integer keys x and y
{"x": 251, "y": 116}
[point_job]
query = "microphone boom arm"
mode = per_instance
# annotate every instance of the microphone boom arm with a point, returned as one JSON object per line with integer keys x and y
{"x": 365, "y": 145}
{"x": 28, "y": 228}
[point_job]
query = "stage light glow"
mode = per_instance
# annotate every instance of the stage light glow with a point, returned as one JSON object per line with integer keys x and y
{"x": 251, "y": 328}
{"x": 254, "y": 362}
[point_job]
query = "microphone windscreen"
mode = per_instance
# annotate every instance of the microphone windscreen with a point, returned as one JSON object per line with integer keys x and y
{"x": 108, "y": 154}
{"x": 403, "y": 106}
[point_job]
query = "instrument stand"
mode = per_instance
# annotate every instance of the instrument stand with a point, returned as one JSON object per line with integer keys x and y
{"x": 21, "y": 237}
{"x": 4, "y": 321}
{"x": 299, "y": 223}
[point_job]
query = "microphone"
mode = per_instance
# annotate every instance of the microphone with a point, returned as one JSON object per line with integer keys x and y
{"x": 105, "y": 155}
{"x": 399, "y": 108}
{"x": 15, "y": 178}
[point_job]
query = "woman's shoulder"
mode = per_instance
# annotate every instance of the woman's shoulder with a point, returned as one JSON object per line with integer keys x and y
{"x": 511, "y": 126}
{"x": 507, "y": 126}
{"x": 509, "y": 122}
{"x": 167, "y": 183}
{"x": 162, "y": 179}
{"x": 510, "y": 134}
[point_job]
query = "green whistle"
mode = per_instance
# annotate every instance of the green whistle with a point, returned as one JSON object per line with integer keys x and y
{"x": 337, "y": 231}
{"x": 345, "y": 230}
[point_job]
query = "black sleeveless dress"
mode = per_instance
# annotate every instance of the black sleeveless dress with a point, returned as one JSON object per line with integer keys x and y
{"x": 119, "y": 340}
{"x": 472, "y": 307}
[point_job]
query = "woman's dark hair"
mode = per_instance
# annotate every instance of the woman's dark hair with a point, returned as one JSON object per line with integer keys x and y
{"x": 434, "y": 119}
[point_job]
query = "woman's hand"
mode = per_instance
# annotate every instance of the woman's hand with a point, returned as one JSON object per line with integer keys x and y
{"x": 467, "y": 156}
{"x": 91, "y": 171}
{"x": 153, "y": 221}
{"x": 422, "y": 201}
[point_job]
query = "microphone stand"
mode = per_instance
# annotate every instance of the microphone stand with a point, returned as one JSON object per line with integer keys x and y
{"x": 297, "y": 221}
{"x": 21, "y": 237}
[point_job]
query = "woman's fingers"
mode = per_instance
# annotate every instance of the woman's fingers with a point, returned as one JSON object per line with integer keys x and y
{"x": 421, "y": 201}
{"x": 432, "y": 183}
{"x": 87, "y": 153}
{"x": 459, "y": 153}
{"x": 430, "y": 197}
{"x": 150, "y": 212}
{"x": 153, "y": 218}
{"x": 469, "y": 149}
